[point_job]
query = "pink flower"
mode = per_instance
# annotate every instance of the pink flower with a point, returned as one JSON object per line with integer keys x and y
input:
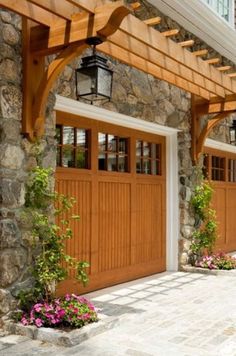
{"x": 38, "y": 307}
{"x": 38, "y": 322}
{"x": 67, "y": 297}
{"x": 24, "y": 321}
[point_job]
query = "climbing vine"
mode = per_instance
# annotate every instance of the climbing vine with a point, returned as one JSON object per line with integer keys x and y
{"x": 205, "y": 235}
{"x": 44, "y": 208}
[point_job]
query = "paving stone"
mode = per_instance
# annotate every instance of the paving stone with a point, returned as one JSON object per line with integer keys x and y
{"x": 199, "y": 320}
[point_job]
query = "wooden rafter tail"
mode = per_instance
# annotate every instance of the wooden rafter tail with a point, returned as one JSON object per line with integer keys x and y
{"x": 232, "y": 75}
{"x": 218, "y": 105}
{"x": 200, "y": 52}
{"x": 170, "y": 33}
{"x": 153, "y": 21}
{"x": 62, "y": 9}
{"x": 224, "y": 68}
{"x": 188, "y": 43}
{"x": 212, "y": 60}
{"x": 135, "y": 5}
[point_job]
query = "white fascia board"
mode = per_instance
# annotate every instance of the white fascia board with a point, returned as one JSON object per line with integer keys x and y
{"x": 172, "y": 191}
{"x": 220, "y": 146}
{"x": 198, "y": 18}
{"x": 96, "y": 113}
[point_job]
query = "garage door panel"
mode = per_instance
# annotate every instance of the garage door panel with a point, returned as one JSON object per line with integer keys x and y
{"x": 219, "y": 204}
{"x": 232, "y": 217}
{"x": 149, "y": 222}
{"x": 80, "y": 245}
{"x": 114, "y": 225}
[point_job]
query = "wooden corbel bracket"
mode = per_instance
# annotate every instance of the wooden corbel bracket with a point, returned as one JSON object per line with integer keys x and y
{"x": 201, "y": 130}
{"x": 72, "y": 41}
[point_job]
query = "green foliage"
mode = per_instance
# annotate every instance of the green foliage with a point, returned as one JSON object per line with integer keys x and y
{"x": 205, "y": 236}
{"x": 51, "y": 265}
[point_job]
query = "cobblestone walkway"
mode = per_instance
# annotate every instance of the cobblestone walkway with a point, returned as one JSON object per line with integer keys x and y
{"x": 167, "y": 314}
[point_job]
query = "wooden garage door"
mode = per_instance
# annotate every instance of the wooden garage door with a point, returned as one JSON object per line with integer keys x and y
{"x": 221, "y": 168}
{"x": 117, "y": 176}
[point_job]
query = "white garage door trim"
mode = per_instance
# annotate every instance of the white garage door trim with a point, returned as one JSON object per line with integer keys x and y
{"x": 172, "y": 203}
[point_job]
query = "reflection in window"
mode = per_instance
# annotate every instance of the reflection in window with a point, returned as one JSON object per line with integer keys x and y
{"x": 113, "y": 153}
{"x": 72, "y": 147}
{"x": 218, "y": 168}
{"x": 148, "y": 158}
{"x": 224, "y": 8}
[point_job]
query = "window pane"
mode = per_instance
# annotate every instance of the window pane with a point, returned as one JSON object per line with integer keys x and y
{"x": 81, "y": 138}
{"x": 146, "y": 166}
{"x": 58, "y": 134}
{"x": 59, "y": 156}
{"x": 138, "y": 165}
{"x": 111, "y": 162}
{"x": 102, "y": 161}
{"x": 146, "y": 149}
{"x": 67, "y": 157}
{"x": 122, "y": 145}
{"x": 68, "y": 135}
{"x": 122, "y": 163}
{"x": 154, "y": 167}
{"x": 101, "y": 142}
{"x": 111, "y": 143}
{"x": 80, "y": 159}
{"x": 138, "y": 148}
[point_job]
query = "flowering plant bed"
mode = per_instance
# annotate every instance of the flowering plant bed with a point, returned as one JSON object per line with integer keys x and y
{"x": 71, "y": 311}
{"x": 218, "y": 261}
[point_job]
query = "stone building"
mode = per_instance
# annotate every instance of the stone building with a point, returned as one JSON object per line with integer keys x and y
{"x": 135, "y": 219}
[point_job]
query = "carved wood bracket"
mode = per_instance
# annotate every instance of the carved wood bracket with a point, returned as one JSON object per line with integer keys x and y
{"x": 201, "y": 127}
{"x": 38, "y": 79}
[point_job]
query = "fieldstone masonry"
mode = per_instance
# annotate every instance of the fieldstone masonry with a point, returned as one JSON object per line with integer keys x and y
{"x": 134, "y": 93}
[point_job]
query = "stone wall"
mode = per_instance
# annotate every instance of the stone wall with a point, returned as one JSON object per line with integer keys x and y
{"x": 17, "y": 157}
{"x": 134, "y": 93}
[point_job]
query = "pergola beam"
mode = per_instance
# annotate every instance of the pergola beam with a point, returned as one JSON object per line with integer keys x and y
{"x": 32, "y": 12}
{"x": 144, "y": 65}
{"x": 62, "y": 9}
{"x": 151, "y": 37}
{"x": 87, "y": 5}
{"x": 143, "y": 51}
{"x": 217, "y": 105}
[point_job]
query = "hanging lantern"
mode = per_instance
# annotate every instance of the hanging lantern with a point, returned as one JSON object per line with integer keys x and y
{"x": 232, "y": 133}
{"x": 94, "y": 78}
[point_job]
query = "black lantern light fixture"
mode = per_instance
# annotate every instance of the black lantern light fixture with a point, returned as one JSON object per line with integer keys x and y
{"x": 232, "y": 133}
{"x": 94, "y": 77}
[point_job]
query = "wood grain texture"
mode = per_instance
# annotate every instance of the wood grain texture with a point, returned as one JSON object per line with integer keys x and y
{"x": 122, "y": 227}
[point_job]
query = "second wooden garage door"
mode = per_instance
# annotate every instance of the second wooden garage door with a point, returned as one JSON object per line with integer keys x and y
{"x": 117, "y": 176}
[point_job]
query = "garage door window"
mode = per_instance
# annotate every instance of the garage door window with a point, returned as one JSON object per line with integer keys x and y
{"x": 148, "y": 158}
{"x": 232, "y": 170}
{"x": 113, "y": 153}
{"x": 72, "y": 147}
{"x": 218, "y": 168}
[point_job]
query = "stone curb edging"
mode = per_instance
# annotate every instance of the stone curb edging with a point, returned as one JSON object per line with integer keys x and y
{"x": 61, "y": 337}
{"x": 214, "y": 272}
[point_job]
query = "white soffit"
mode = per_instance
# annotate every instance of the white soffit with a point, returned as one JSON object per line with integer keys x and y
{"x": 217, "y": 145}
{"x": 197, "y": 18}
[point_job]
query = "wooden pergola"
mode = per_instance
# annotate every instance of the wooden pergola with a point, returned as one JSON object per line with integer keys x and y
{"x": 63, "y": 27}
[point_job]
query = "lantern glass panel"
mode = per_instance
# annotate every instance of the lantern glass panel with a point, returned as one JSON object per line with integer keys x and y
{"x": 104, "y": 82}
{"x": 87, "y": 82}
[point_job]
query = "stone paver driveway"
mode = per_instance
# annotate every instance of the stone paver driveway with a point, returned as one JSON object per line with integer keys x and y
{"x": 163, "y": 315}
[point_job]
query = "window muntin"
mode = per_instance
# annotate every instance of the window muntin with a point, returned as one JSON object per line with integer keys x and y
{"x": 72, "y": 147}
{"x": 148, "y": 158}
{"x": 232, "y": 170}
{"x": 112, "y": 153}
{"x": 218, "y": 168}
